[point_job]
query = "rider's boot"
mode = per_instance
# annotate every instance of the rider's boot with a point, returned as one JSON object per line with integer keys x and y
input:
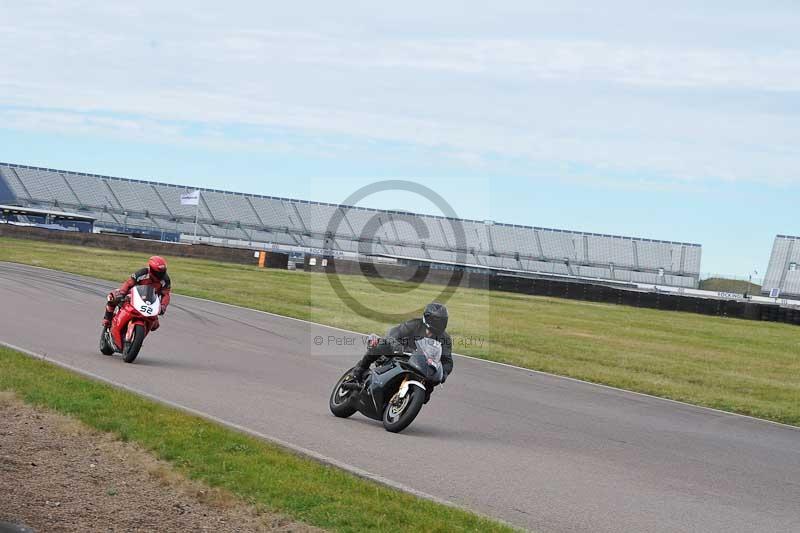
{"x": 361, "y": 369}
{"x": 109, "y": 316}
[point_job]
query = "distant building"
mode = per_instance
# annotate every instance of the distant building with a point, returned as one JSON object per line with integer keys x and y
{"x": 156, "y": 210}
{"x": 783, "y": 273}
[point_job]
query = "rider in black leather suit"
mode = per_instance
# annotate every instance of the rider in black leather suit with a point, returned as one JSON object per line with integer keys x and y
{"x": 403, "y": 338}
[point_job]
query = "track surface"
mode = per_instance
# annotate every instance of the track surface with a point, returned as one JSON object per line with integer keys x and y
{"x": 538, "y": 451}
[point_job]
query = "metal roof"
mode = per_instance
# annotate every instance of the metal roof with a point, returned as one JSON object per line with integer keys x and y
{"x": 58, "y": 214}
{"x": 309, "y": 202}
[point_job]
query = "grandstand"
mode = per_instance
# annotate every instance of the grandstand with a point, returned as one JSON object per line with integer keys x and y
{"x": 155, "y": 209}
{"x": 783, "y": 273}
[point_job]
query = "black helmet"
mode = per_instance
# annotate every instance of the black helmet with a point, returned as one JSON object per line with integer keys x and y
{"x": 435, "y": 318}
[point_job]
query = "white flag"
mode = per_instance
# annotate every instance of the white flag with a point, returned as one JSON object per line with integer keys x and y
{"x": 190, "y": 198}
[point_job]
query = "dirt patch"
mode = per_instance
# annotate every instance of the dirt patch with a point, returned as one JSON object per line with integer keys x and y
{"x": 58, "y": 475}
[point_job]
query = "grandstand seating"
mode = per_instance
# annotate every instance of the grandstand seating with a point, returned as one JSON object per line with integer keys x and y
{"x": 783, "y": 271}
{"x": 223, "y": 215}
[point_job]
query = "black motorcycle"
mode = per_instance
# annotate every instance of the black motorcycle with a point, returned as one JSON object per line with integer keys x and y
{"x": 394, "y": 391}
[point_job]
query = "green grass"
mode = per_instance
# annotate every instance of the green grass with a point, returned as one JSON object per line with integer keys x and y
{"x": 730, "y": 285}
{"x": 735, "y": 365}
{"x": 259, "y": 473}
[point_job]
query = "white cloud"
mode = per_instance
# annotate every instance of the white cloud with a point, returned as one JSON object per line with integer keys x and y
{"x": 611, "y": 104}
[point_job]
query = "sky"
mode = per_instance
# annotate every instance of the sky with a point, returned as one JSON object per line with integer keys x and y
{"x": 677, "y": 121}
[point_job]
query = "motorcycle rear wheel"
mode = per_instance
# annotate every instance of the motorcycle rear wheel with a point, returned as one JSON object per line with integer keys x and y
{"x": 398, "y": 416}
{"x": 132, "y": 348}
{"x": 340, "y": 403}
{"x": 105, "y": 347}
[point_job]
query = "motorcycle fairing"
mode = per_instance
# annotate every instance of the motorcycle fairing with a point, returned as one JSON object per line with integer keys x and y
{"x": 119, "y": 326}
{"x": 427, "y": 359}
{"x": 407, "y": 384}
{"x": 145, "y": 300}
{"x": 142, "y": 308}
{"x": 374, "y": 401}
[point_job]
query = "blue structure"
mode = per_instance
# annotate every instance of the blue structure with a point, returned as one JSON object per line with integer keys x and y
{"x": 46, "y": 218}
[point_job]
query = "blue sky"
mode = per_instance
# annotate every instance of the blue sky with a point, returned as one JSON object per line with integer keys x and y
{"x": 678, "y": 122}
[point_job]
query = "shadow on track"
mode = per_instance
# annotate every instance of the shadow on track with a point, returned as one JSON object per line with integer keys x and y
{"x": 426, "y": 430}
{"x": 164, "y": 363}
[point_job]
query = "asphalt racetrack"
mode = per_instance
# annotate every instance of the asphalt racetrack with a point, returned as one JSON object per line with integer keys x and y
{"x": 538, "y": 451}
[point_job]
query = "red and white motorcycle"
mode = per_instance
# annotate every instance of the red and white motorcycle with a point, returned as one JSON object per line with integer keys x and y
{"x": 133, "y": 319}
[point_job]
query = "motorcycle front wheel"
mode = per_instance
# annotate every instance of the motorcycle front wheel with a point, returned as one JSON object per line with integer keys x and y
{"x": 400, "y": 412}
{"x": 132, "y": 348}
{"x": 340, "y": 403}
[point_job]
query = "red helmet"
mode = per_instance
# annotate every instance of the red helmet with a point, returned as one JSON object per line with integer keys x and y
{"x": 157, "y": 267}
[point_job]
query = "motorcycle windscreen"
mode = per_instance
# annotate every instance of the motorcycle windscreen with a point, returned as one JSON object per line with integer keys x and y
{"x": 428, "y": 356}
{"x": 146, "y": 300}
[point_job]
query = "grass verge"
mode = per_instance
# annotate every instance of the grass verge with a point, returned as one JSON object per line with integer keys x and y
{"x": 730, "y": 285}
{"x": 742, "y": 366}
{"x": 257, "y": 472}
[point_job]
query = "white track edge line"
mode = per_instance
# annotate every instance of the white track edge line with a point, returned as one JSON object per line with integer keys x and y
{"x": 489, "y": 361}
{"x": 299, "y": 450}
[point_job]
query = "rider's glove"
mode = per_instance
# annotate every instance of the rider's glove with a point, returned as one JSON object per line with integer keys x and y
{"x": 373, "y": 341}
{"x": 115, "y": 296}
